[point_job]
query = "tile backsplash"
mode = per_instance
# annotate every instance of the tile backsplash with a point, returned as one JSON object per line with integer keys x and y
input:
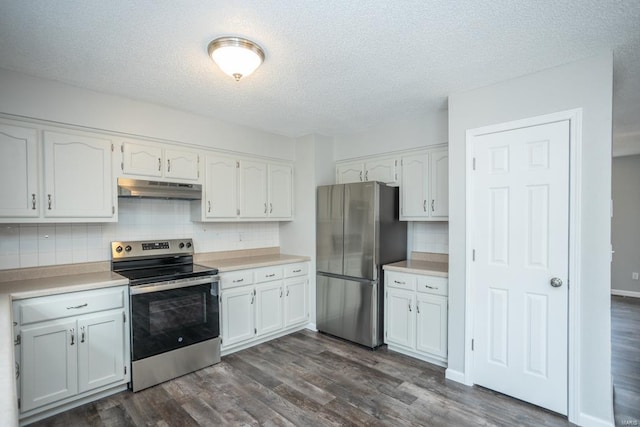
{"x": 33, "y": 245}
{"x": 431, "y": 237}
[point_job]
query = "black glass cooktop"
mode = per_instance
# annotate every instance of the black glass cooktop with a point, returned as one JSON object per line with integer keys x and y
{"x": 141, "y": 276}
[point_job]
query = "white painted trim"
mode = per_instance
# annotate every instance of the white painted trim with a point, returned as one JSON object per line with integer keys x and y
{"x": 575, "y": 227}
{"x": 623, "y": 293}
{"x": 456, "y": 376}
{"x": 585, "y": 420}
{"x": 312, "y": 327}
{"x": 391, "y": 154}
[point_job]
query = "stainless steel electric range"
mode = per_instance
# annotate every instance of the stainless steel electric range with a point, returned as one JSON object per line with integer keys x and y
{"x": 174, "y": 309}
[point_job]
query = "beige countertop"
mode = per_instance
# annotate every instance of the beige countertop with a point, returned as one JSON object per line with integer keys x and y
{"x": 231, "y": 264}
{"x": 429, "y": 268}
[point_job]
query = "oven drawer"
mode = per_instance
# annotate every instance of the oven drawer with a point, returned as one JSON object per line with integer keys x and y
{"x": 298, "y": 269}
{"x": 71, "y": 304}
{"x": 268, "y": 274}
{"x": 236, "y": 278}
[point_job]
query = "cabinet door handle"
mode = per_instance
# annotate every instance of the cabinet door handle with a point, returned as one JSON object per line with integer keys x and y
{"x": 399, "y": 283}
{"x": 297, "y": 271}
{"x": 433, "y": 209}
{"x": 159, "y": 164}
{"x": 430, "y": 287}
{"x": 238, "y": 280}
{"x": 33, "y": 201}
{"x": 287, "y": 291}
{"x": 270, "y": 275}
{"x": 360, "y": 175}
{"x": 209, "y": 203}
{"x": 366, "y": 176}
{"x": 49, "y": 200}
{"x": 75, "y": 307}
{"x": 280, "y": 292}
{"x": 265, "y": 207}
{"x": 424, "y": 205}
{"x": 82, "y": 334}
{"x": 73, "y": 336}
{"x": 168, "y": 165}
{"x": 417, "y": 307}
{"x": 270, "y": 207}
{"x": 253, "y": 296}
{"x": 409, "y": 307}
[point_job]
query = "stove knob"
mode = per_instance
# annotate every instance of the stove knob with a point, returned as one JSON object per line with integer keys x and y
{"x": 118, "y": 249}
{"x": 127, "y": 248}
{"x": 181, "y": 245}
{"x": 188, "y": 244}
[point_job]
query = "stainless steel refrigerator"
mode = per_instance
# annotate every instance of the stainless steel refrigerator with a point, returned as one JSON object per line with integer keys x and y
{"x": 357, "y": 232}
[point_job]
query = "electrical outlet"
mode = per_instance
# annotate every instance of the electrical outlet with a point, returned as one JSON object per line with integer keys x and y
{"x": 634, "y": 276}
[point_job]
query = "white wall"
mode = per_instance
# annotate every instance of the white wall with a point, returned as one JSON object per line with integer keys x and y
{"x": 45, "y": 244}
{"x": 586, "y": 84}
{"x": 413, "y": 131}
{"x": 625, "y": 224}
{"x": 49, "y": 100}
{"x": 314, "y": 166}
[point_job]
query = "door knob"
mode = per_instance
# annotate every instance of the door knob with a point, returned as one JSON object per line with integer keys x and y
{"x": 556, "y": 282}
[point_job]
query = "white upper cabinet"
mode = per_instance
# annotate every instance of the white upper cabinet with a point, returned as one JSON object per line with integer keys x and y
{"x": 253, "y": 189}
{"x": 375, "y": 169}
{"x": 279, "y": 191}
{"x": 19, "y": 190}
{"x": 221, "y": 187}
{"x": 78, "y": 181}
{"x": 424, "y": 190}
{"x": 155, "y": 160}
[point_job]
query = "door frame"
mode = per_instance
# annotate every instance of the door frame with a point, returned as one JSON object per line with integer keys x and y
{"x": 574, "y": 117}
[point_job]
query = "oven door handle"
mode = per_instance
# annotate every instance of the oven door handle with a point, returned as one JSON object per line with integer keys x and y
{"x": 164, "y": 286}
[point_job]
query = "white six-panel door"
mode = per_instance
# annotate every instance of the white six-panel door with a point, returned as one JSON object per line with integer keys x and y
{"x": 520, "y": 229}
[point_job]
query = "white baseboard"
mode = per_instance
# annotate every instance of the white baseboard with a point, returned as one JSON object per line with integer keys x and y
{"x": 591, "y": 421}
{"x": 312, "y": 327}
{"x": 456, "y": 376}
{"x": 623, "y": 293}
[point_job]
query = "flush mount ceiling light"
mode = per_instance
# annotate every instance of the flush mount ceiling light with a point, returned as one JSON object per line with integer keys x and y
{"x": 236, "y": 56}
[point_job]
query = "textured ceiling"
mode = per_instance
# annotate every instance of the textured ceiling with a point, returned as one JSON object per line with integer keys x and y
{"x": 332, "y": 67}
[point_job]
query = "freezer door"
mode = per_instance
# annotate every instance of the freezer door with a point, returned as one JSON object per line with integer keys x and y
{"x": 348, "y": 309}
{"x": 329, "y": 229}
{"x": 360, "y": 229}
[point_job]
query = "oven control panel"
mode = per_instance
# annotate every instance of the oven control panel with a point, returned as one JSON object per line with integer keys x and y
{"x": 146, "y": 248}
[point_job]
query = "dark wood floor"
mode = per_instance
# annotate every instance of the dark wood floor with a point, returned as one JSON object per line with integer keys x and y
{"x": 310, "y": 379}
{"x": 625, "y": 357}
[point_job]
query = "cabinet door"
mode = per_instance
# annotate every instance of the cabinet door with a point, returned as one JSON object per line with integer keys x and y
{"x": 280, "y": 179}
{"x": 431, "y": 333}
{"x": 400, "y": 317}
{"x": 237, "y": 309}
{"x": 296, "y": 309}
{"x": 414, "y": 187}
{"x": 141, "y": 159}
{"x": 221, "y": 187}
{"x": 269, "y": 308}
{"x": 48, "y": 371}
{"x": 78, "y": 180}
{"x": 182, "y": 164}
{"x": 383, "y": 170}
{"x": 253, "y": 189}
{"x": 18, "y": 172}
{"x": 349, "y": 173}
{"x": 101, "y": 349}
{"x": 439, "y": 183}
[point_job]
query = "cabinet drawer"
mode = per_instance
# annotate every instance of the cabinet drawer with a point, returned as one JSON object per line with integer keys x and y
{"x": 401, "y": 280}
{"x": 267, "y": 274}
{"x": 298, "y": 269}
{"x": 236, "y": 278}
{"x": 71, "y": 304}
{"x": 433, "y": 285}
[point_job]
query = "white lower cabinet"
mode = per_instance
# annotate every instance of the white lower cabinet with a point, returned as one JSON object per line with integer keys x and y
{"x": 262, "y": 303}
{"x": 416, "y": 316}
{"x": 71, "y": 346}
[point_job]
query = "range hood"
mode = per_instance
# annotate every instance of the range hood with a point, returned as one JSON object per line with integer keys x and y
{"x": 158, "y": 189}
